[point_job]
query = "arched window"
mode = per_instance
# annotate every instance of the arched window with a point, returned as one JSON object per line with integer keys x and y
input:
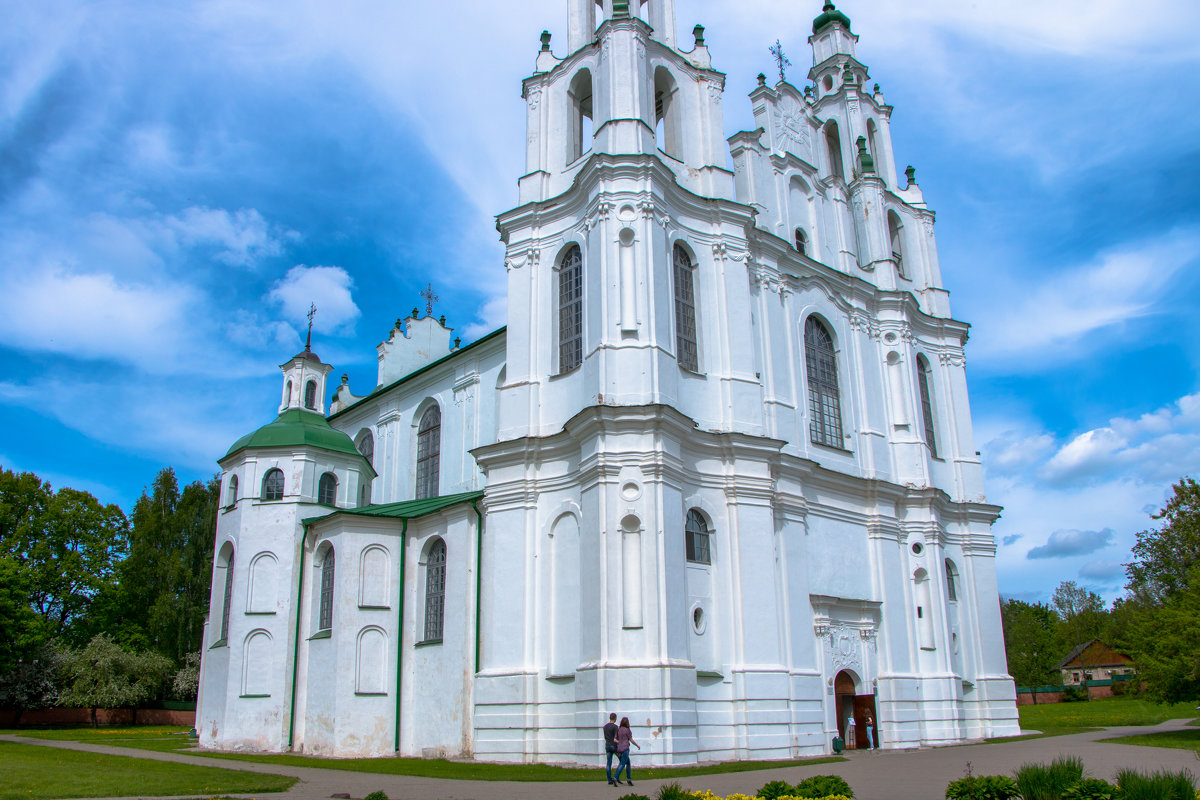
{"x": 685, "y": 311}
{"x": 570, "y": 310}
{"x": 801, "y": 242}
{"x": 429, "y": 451}
{"x": 824, "y": 405}
{"x": 327, "y": 489}
{"x": 896, "y": 236}
{"x": 695, "y": 531}
{"x": 231, "y": 492}
{"x": 581, "y": 115}
{"x": 923, "y": 371}
{"x": 287, "y": 393}
{"x": 272, "y": 486}
{"x": 874, "y": 148}
{"x": 435, "y": 592}
{"x": 833, "y": 146}
{"x": 310, "y": 395}
{"x": 667, "y": 106}
{"x": 951, "y": 582}
{"x": 325, "y": 612}
{"x": 227, "y": 595}
{"x": 365, "y": 442}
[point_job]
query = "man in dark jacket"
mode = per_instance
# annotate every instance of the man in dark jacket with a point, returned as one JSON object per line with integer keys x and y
{"x": 610, "y": 745}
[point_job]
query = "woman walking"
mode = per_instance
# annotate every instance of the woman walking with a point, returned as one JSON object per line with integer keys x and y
{"x": 624, "y": 739}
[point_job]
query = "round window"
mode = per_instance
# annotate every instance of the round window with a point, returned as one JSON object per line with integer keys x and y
{"x": 698, "y": 620}
{"x": 918, "y": 548}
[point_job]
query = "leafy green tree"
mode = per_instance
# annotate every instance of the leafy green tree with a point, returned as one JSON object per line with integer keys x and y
{"x": 1166, "y": 644}
{"x": 105, "y": 675}
{"x": 1031, "y": 642}
{"x": 1081, "y": 612}
{"x": 164, "y": 582}
{"x": 1164, "y": 557}
{"x": 32, "y": 682}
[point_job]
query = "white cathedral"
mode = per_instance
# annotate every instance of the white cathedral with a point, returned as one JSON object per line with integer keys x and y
{"x": 717, "y": 474}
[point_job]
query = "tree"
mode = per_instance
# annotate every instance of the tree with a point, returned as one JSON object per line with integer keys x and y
{"x": 104, "y": 675}
{"x": 32, "y": 682}
{"x": 1081, "y": 612}
{"x": 187, "y": 679}
{"x": 164, "y": 582}
{"x": 1166, "y": 644}
{"x": 1163, "y": 558}
{"x": 1031, "y": 643}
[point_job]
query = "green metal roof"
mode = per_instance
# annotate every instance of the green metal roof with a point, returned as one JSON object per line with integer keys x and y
{"x": 409, "y": 509}
{"x": 829, "y": 15}
{"x": 298, "y": 427}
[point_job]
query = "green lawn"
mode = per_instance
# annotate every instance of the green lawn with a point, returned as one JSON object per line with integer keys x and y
{"x": 1101, "y": 713}
{"x": 34, "y": 772}
{"x": 163, "y": 739}
{"x": 1179, "y": 740}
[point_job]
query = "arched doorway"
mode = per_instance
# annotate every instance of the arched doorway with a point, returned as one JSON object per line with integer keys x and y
{"x": 850, "y": 703}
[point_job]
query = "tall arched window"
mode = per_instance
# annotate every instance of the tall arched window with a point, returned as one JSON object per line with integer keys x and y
{"x": 667, "y": 107}
{"x": 435, "y": 592}
{"x": 231, "y": 493}
{"x": 896, "y": 236}
{"x": 365, "y": 442}
{"x": 429, "y": 451}
{"x": 801, "y": 242}
{"x": 581, "y": 115}
{"x": 227, "y": 595}
{"x": 923, "y": 371}
{"x": 824, "y": 404}
{"x": 874, "y": 147}
{"x": 310, "y": 395}
{"x": 951, "y": 582}
{"x": 327, "y": 489}
{"x": 685, "y": 311}
{"x": 325, "y": 612}
{"x": 570, "y": 310}
{"x": 833, "y": 147}
{"x": 287, "y": 393}
{"x": 695, "y": 531}
{"x": 272, "y": 486}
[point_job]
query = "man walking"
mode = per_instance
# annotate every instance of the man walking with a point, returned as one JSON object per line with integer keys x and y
{"x": 610, "y": 746}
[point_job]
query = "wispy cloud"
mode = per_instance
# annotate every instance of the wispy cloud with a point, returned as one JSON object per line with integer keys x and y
{"x": 1064, "y": 543}
{"x": 303, "y": 286}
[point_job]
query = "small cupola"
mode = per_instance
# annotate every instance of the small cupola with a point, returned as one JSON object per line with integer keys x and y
{"x": 830, "y": 16}
{"x": 304, "y": 380}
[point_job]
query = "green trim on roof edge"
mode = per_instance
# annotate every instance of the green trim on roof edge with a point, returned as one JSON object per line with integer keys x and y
{"x": 420, "y": 371}
{"x": 409, "y": 509}
{"x": 298, "y": 427}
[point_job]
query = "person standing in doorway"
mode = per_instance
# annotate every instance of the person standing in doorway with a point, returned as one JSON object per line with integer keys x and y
{"x": 624, "y": 739}
{"x": 869, "y": 724}
{"x": 610, "y": 746}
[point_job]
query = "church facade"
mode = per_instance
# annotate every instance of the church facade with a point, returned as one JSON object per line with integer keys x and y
{"x": 717, "y": 474}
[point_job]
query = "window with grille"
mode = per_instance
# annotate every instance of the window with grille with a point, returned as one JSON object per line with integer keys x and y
{"x": 325, "y": 615}
{"x": 926, "y": 404}
{"x": 801, "y": 242}
{"x": 227, "y": 601}
{"x": 272, "y": 488}
{"x": 310, "y": 395}
{"x": 824, "y": 404}
{"x": 696, "y": 534}
{"x": 570, "y": 310}
{"x": 232, "y": 493}
{"x": 685, "y": 311}
{"x": 429, "y": 452}
{"x": 327, "y": 489}
{"x": 951, "y": 578}
{"x": 435, "y": 592}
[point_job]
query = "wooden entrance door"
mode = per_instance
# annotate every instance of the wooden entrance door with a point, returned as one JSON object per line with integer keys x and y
{"x": 864, "y": 706}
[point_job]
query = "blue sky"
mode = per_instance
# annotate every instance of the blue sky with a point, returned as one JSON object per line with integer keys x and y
{"x": 177, "y": 181}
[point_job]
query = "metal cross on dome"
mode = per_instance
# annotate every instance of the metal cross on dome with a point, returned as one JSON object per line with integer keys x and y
{"x": 430, "y": 298}
{"x": 312, "y": 312}
{"x": 781, "y": 61}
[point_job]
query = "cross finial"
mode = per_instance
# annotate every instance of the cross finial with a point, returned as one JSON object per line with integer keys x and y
{"x": 430, "y": 298}
{"x": 781, "y": 61}
{"x": 312, "y": 312}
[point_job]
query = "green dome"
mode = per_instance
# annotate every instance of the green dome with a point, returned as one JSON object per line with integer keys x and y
{"x": 297, "y": 427}
{"x": 829, "y": 14}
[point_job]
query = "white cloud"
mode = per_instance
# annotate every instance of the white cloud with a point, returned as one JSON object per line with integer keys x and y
{"x": 491, "y": 315}
{"x": 1063, "y": 543}
{"x": 1105, "y": 572}
{"x": 97, "y": 316}
{"x": 243, "y": 237}
{"x": 327, "y": 287}
{"x": 1049, "y": 319}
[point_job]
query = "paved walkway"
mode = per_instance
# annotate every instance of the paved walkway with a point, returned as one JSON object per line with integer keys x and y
{"x": 874, "y": 775}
